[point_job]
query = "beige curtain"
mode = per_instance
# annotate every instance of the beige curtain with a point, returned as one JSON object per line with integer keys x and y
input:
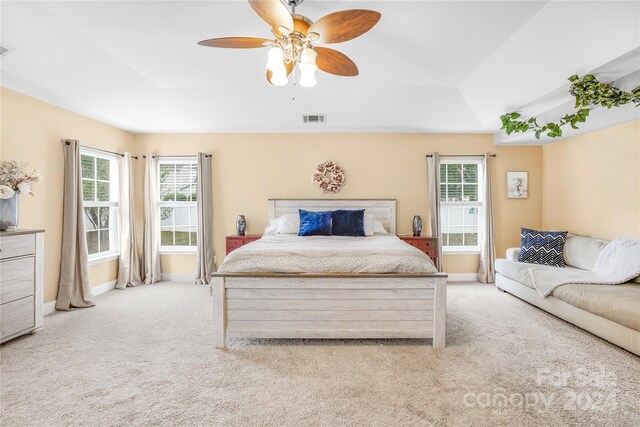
{"x": 433, "y": 175}
{"x": 73, "y": 286}
{"x": 152, "y": 272}
{"x": 129, "y": 271}
{"x": 486, "y": 272}
{"x": 205, "y": 266}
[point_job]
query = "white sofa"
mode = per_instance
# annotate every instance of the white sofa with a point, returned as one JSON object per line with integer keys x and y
{"x": 611, "y": 312}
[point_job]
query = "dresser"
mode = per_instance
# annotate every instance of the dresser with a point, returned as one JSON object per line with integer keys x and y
{"x": 428, "y": 245}
{"x": 234, "y": 242}
{"x": 21, "y": 282}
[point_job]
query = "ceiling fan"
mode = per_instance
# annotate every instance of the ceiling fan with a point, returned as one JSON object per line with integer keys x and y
{"x": 296, "y": 37}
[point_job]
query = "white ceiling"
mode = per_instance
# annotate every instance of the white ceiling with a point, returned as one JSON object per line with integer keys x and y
{"x": 448, "y": 66}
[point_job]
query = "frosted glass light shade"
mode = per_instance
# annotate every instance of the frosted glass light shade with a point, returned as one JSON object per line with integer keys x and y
{"x": 279, "y": 76}
{"x": 275, "y": 58}
{"x": 307, "y": 77}
{"x": 308, "y": 59}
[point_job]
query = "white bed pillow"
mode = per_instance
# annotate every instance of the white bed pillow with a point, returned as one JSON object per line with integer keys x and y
{"x": 272, "y": 228}
{"x": 379, "y": 228}
{"x": 368, "y": 224}
{"x": 288, "y": 224}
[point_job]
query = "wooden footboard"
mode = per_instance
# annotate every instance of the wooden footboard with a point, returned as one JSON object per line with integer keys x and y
{"x": 329, "y": 306}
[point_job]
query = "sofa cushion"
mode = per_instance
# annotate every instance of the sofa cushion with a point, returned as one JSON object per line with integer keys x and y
{"x": 618, "y": 303}
{"x": 582, "y": 252}
{"x": 542, "y": 247}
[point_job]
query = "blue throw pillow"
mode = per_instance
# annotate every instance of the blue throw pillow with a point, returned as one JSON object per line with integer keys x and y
{"x": 314, "y": 223}
{"x": 347, "y": 223}
{"x": 542, "y": 247}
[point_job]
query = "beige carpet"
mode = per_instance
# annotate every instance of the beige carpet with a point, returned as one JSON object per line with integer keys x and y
{"x": 144, "y": 356}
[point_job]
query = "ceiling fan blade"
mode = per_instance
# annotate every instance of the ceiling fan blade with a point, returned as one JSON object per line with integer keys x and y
{"x": 344, "y": 25}
{"x": 236, "y": 42}
{"x": 333, "y": 62}
{"x": 274, "y": 13}
{"x": 288, "y": 67}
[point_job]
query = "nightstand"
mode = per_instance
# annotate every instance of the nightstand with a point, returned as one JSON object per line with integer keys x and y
{"x": 428, "y": 245}
{"x": 234, "y": 242}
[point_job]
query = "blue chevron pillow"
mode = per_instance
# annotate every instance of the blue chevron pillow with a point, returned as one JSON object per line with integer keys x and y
{"x": 542, "y": 247}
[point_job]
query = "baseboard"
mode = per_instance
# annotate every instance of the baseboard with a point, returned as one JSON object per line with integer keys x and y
{"x": 175, "y": 277}
{"x": 462, "y": 277}
{"x": 50, "y": 307}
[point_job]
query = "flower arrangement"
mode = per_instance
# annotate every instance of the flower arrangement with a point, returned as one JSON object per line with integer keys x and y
{"x": 331, "y": 183}
{"x": 16, "y": 178}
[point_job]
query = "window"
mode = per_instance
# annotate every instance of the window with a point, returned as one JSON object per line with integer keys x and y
{"x": 178, "y": 210}
{"x": 460, "y": 204}
{"x": 100, "y": 202}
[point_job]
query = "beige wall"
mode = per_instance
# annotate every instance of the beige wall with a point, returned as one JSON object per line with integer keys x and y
{"x": 248, "y": 169}
{"x": 31, "y": 131}
{"x": 591, "y": 183}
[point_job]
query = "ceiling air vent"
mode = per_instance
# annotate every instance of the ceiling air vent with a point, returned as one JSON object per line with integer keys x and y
{"x": 3, "y": 50}
{"x": 314, "y": 118}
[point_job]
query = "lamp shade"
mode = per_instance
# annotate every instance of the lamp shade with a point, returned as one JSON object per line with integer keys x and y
{"x": 275, "y": 58}
{"x": 308, "y": 77}
{"x": 308, "y": 59}
{"x": 279, "y": 77}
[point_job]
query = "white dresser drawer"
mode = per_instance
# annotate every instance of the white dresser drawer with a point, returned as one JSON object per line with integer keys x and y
{"x": 16, "y": 316}
{"x": 17, "y": 278}
{"x": 14, "y": 246}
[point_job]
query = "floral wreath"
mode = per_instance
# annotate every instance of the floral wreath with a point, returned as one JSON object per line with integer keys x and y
{"x": 329, "y": 177}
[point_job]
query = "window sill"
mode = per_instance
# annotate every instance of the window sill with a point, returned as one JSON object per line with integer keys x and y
{"x": 460, "y": 251}
{"x": 103, "y": 258}
{"x": 178, "y": 252}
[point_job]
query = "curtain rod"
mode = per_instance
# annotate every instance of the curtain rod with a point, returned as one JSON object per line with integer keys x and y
{"x": 463, "y": 155}
{"x": 104, "y": 151}
{"x": 184, "y": 155}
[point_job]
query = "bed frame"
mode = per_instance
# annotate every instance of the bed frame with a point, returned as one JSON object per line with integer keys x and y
{"x": 330, "y": 305}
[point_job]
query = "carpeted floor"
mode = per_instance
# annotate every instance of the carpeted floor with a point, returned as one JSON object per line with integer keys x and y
{"x": 144, "y": 356}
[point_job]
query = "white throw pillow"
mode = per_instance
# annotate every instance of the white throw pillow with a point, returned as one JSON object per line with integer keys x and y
{"x": 368, "y": 224}
{"x": 272, "y": 227}
{"x": 378, "y": 227}
{"x": 288, "y": 224}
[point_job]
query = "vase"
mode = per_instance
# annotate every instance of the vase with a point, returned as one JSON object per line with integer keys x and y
{"x": 417, "y": 226}
{"x": 9, "y": 213}
{"x": 241, "y": 225}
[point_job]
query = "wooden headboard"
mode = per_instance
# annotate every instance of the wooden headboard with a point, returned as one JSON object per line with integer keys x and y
{"x": 383, "y": 210}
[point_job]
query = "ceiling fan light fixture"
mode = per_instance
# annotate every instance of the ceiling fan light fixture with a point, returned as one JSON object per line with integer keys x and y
{"x": 308, "y": 77}
{"x": 308, "y": 59}
{"x": 275, "y": 59}
{"x": 295, "y": 37}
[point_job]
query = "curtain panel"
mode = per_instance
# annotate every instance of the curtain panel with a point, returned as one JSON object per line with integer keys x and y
{"x": 73, "y": 286}
{"x": 433, "y": 176}
{"x": 486, "y": 271}
{"x": 152, "y": 271}
{"x": 129, "y": 269}
{"x": 205, "y": 266}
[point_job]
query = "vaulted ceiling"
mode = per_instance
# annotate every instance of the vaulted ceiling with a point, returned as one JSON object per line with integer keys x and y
{"x": 448, "y": 66}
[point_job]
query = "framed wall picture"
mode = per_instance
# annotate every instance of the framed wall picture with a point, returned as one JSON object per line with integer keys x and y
{"x": 517, "y": 185}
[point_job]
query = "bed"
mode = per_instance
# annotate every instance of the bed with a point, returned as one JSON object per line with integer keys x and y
{"x": 364, "y": 302}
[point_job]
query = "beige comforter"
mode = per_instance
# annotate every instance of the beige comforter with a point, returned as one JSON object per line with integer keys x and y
{"x": 287, "y": 253}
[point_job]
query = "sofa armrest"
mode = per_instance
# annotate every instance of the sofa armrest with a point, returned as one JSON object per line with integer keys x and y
{"x": 512, "y": 254}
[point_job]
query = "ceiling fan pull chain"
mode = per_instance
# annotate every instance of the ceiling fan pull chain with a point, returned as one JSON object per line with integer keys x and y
{"x": 293, "y": 86}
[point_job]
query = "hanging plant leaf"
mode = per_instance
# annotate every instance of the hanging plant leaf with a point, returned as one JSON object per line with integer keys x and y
{"x": 588, "y": 93}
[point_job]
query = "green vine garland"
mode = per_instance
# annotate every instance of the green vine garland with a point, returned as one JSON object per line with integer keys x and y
{"x": 588, "y": 92}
